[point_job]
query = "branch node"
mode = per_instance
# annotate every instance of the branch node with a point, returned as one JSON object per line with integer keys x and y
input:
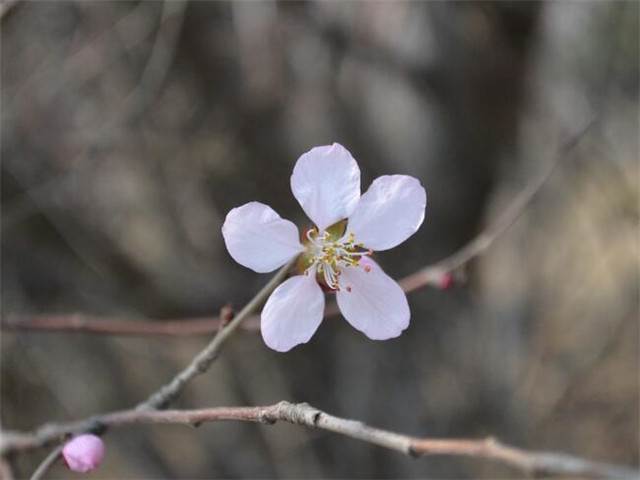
{"x": 226, "y": 315}
{"x": 269, "y": 416}
{"x": 97, "y": 427}
{"x": 412, "y": 452}
{"x": 299, "y": 413}
{"x": 316, "y": 418}
{"x": 267, "y": 419}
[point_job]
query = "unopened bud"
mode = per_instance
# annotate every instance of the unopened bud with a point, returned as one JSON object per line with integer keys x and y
{"x": 446, "y": 281}
{"x": 83, "y": 453}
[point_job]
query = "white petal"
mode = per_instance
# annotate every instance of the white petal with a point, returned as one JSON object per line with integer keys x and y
{"x": 326, "y": 183}
{"x": 373, "y": 302}
{"x": 258, "y": 238}
{"x": 293, "y": 313}
{"x": 389, "y": 212}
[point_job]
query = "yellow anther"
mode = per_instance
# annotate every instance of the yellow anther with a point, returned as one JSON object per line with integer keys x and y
{"x": 328, "y": 256}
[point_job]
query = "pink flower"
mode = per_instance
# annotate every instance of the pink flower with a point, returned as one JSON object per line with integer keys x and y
{"x": 334, "y": 254}
{"x": 83, "y": 453}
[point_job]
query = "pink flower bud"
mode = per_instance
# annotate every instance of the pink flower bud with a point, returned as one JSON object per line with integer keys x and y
{"x": 83, "y": 453}
{"x": 446, "y": 281}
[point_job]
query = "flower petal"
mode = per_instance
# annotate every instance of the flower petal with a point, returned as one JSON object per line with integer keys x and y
{"x": 292, "y": 313}
{"x": 326, "y": 183}
{"x": 373, "y": 302}
{"x": 389, "y": 212}
{"x": 258, "y": 238}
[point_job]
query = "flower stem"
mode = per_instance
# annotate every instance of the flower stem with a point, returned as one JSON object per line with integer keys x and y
{"x": 47, "y": 463}
{"x": 201, "y": 363}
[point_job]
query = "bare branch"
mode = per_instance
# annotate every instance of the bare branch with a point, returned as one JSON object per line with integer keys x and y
{"x": 159, "y": 61}
{"x": 198, "y": 365}
{"x": 531, "y": 462}
{"x": 80, "y": 323}
{"x": 431, "y": 275}
{"x": 48, "y": 462}
{"x": 207, "y": 356}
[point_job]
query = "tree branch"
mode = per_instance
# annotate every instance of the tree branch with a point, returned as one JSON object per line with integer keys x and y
{"x": 431, "y": 275}
{"x": 207, "y": 356}
{"x": 198, "y": 365}
{"x": 47, "y": 463}
{"x": 303, "y": 414}
{"x": 531, "y": 462}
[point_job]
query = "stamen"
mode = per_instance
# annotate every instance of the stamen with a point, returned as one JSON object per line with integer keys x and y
{"x": 329, "y": 256}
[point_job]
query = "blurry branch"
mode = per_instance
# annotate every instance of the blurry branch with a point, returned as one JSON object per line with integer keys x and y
{"x": 6, "y": 6}
{"x": 422, "y": 74}
{"x": 159, "y": 62}
{"x": 431, "y": 275}
{"x": 531, "y": 462}
{"x": 49, "y": 461}
{"x": 133, "y": 106}
{"x": 5, "y": 470}
{"x": 88, "y": 324}
{"x": 198, "y": 365}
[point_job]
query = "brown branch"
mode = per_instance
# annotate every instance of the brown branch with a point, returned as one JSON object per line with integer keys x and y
{"x": 531, "y": 462}
{"x": 431, "y": 275}
{"x": 80, "y": 323}
{"x": 199, "y": 364}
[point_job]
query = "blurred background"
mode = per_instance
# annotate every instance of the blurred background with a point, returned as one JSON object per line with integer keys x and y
{"x": 130, "y": 129}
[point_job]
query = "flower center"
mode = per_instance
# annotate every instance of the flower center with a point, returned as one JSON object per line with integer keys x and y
{"x": 327, "y": 254}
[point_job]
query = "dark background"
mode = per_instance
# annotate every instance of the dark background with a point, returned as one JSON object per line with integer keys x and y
{"x": 129, "y": 129}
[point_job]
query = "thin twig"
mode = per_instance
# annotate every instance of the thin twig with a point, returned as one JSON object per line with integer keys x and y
{"x": 6, "y": 6}
{"x": 159, "y": 61}
{"x": 48, "y": 462}
{"x": 206, "y": 357}
{"x": 531, "y": 462}
{"x": 200, "y": 364}
{"x": 431, "y": 275}
{"x": 302, "y": 414}
{"x": 80, "y": 323}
